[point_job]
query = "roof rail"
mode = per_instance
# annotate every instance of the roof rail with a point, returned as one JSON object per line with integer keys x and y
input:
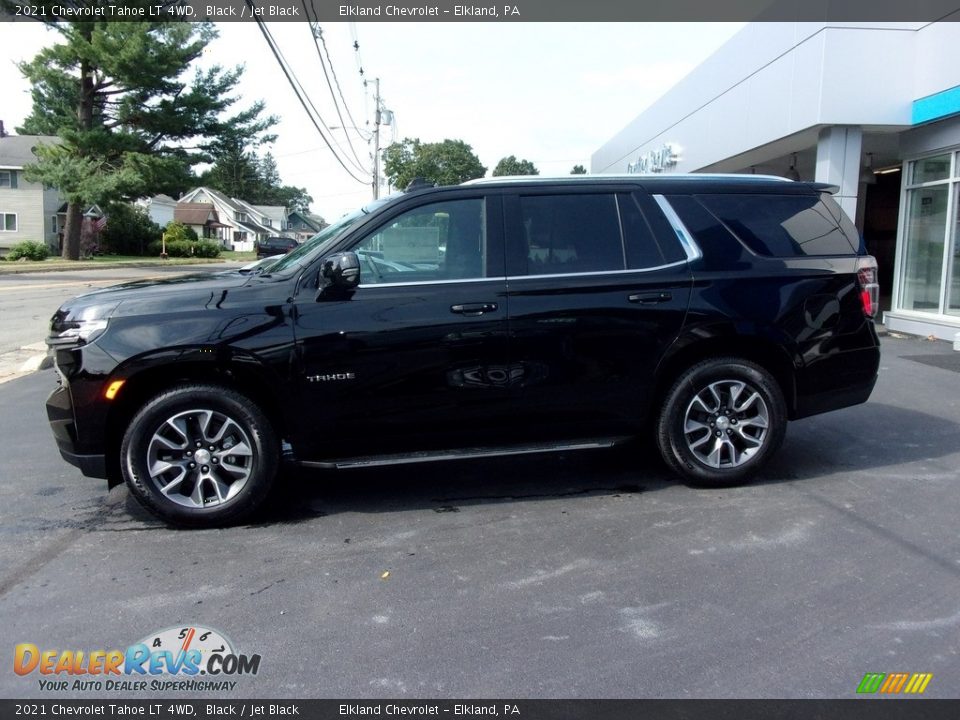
{"x": 626, "y": 176}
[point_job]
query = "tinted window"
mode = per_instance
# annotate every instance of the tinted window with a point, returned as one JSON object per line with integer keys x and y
{"x": 571, "y": 233}
{"x": 780, "y": 225}
{"x": 440, "y": 241}
{"x": 642, "y": 248}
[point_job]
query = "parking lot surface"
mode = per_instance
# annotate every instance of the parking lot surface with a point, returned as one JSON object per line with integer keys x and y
{"x": 588, "y": 575}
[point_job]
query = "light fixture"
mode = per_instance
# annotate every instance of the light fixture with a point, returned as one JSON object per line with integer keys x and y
{"x": 867, "y": 176}
{"x": 887, "y": 170}
{"x": 793, "y": 173}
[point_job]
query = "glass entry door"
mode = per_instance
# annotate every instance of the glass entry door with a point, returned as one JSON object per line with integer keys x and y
{"x": 929, "y": 270}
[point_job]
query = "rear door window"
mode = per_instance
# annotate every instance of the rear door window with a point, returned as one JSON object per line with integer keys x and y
{"x": 781, "y": 225}
{"x": 568, "y": 234}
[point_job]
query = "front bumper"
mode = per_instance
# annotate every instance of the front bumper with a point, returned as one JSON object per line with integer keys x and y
{"x": 63, "y": 424}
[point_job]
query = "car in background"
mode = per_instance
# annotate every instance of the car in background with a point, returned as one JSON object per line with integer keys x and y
{"x": 274, "y": 246}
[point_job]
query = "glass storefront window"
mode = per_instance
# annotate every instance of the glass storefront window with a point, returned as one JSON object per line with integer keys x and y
{"x": 930, "y": 169}
{"x": 926, "y": 225}
{"x": 953, "y": 273}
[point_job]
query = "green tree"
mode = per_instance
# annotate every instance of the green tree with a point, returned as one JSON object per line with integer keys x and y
{"x": 131, "y": 123}
{"x": 292, "y": 198}
{"x": 235, "y": 171}
{"x": 578, "y": 170}
{"x": 450, "y": 162}
{"x": 129, "y": 230}
{"x": 511, "y": 166}
{"x": 238, "y": 173}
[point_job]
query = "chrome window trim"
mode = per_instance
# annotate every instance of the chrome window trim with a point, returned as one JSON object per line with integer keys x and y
{"x": 431, "y": 282}
{"x": 683, "y": 234}
{"x": 525, "y": 277}
{"x": 600, "y": 272}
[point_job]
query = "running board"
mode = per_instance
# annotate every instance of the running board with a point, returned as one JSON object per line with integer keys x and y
{"x": 461, "y": 454}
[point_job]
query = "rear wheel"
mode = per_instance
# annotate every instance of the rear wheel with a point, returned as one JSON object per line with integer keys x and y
{"x": 200, "y": 455}
{"x": 721, "y": 422}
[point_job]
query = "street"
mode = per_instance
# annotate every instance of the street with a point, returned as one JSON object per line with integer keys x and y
{"x": 579, "y": 575}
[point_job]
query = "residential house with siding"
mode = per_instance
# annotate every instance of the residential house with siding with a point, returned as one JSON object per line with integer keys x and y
{"x": 240, "y": 224}
{"x": 28, "y": 210}
{"x": 303, "y": 225}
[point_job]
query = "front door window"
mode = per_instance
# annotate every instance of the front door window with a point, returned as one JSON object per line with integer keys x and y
{"x": 436, "y": 242}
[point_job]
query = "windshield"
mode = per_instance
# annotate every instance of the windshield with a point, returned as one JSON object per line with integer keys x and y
{"x": 323, "y": 240}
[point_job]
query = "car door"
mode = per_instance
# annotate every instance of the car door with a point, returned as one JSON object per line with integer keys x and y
{"x": 414, "y": 359}
{"x": 595, "y": 296}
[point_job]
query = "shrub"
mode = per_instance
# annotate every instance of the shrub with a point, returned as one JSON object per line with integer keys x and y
{"x": 29, "y": 249}
{"x": 129, "y": 231}
{"x": 185, "y": 248}
{"x": 207, "y": 249}
{"x": 178, "y": 232}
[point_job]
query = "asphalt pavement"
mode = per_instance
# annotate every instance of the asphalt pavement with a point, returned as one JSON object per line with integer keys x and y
{"x": 589, "y": 575}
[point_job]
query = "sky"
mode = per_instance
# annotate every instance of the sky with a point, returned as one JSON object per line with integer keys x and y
{"x": 550, "y": 93}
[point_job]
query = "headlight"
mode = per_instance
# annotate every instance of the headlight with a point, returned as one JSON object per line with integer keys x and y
{"x": 78, "y": 328}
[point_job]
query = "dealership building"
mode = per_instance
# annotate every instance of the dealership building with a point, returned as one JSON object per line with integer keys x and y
{"x": 872, "y": 108}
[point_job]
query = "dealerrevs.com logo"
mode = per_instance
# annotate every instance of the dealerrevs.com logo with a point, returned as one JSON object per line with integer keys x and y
{"x": 188, "y": 658}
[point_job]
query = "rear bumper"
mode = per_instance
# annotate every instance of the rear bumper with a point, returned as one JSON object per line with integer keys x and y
{"x": 837, "y": 381}
{"x": 815, "y": 404}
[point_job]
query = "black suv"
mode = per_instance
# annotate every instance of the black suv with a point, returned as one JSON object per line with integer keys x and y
{"x": 495, "y": 317}
{"x": 268, "y": 247}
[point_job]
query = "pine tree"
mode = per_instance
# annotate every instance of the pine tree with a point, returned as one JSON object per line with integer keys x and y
{"x": 130, "y": 122}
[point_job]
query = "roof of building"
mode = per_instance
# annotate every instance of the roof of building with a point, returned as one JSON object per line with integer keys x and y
{"x": 195, "y": 213}
{"x": 17, "y": 150}
{"x": 216, "y": 194}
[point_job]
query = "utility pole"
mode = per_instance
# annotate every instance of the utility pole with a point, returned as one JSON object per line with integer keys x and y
{"x": 376, "y": 138}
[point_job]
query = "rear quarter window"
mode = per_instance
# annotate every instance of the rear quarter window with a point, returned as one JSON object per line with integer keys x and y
{"x": 782, "y": 225}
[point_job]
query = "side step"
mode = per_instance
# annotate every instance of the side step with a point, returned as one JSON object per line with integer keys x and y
{"x": 461, "y": 454}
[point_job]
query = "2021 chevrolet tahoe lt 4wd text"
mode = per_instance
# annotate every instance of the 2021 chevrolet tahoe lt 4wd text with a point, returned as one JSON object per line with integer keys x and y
{"x": 494, "y": 317}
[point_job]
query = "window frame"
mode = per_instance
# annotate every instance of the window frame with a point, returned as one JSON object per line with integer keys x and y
{"x": 9, "y": 185}
{"x": 3, "y": 221}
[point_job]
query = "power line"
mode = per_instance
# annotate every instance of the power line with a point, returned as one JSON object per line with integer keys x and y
{"x": 317, "y": 33}
{"x": 300, "y": 93}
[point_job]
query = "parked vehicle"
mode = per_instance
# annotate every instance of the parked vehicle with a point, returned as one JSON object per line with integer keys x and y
{"x": 497, "y": 317}
{"x": 274, "y": 246}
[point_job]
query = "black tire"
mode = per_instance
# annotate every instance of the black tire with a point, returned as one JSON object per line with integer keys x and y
{"x": 689, "y": 422}
{"x": 226, "y": 483}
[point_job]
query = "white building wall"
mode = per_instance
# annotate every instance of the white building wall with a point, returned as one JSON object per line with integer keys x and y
{"x": 26, "y": 201}
{"x": 774, "y": 80}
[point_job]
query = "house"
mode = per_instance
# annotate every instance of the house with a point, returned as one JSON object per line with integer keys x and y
{"x": 160, "y": 208}
{"x": 274, "y": 216}
{"x": 239, "y": 223}
{"x": 28, "y": 210}
{"x": 303, "y": 225}
{"x": 202, "y": 218}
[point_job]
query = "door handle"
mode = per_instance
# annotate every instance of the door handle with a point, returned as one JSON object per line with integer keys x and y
{"x": 651, "y": 297}
{"x": 474, "y": 308}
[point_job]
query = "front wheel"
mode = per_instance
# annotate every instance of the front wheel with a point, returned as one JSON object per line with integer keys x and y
{"x": 721, "y": 421}
{"x": 200, "y": 455}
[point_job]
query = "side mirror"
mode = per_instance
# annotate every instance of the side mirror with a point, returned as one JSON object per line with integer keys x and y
{"x": 339, "y": 275}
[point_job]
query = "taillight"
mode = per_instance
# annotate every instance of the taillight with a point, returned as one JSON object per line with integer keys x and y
{"x": 869, "y": 287}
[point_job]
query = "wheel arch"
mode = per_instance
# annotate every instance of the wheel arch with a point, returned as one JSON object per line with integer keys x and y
{"x": 763, "y": 351}
{"x": 251, "y": 379}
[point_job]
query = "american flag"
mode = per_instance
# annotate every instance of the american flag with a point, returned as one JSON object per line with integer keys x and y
{"x": 100, "y": 223}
